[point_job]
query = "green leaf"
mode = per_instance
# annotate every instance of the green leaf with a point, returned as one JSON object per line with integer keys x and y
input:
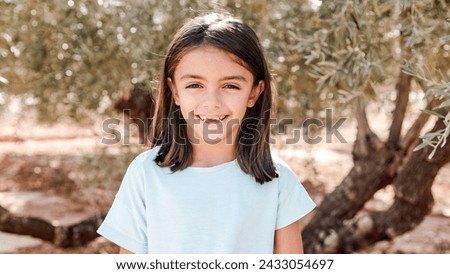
{"x": 327, "y": 64}
{"x": 309, "y": 58}
{"x": 444, "y": 104}
{"x": 430, "y": 112}
{"x": 408, "y": 69}
{"x": 422, "y": 145}
{"x": 439, "y": 91}
{"x": 432, "y": 153}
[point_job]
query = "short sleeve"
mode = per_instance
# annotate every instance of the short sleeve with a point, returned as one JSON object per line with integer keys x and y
{"x": 293, "y": 199}
{"x": 125, "y": 223}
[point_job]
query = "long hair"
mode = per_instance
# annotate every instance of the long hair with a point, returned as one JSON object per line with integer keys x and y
{"x": 169, "y": 129}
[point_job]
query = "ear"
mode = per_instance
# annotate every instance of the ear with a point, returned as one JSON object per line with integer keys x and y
{"x": 254, "y": 94}
{"x": 174, "y": 91}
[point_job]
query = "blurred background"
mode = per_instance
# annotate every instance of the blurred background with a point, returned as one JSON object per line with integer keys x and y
{"x": 77, "y": 83}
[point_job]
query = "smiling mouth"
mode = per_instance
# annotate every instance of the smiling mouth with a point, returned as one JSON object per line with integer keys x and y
{"x": 205, "y": 118}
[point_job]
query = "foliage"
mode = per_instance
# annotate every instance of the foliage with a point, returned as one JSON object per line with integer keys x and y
{"x": 440, "y": 92}
{"x": 353, "y": 47}
{"x": 353, "y": 44}
{"x": 74, "y": 58}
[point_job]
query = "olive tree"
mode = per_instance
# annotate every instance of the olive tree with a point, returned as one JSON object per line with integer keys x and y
{"x": 352, "y": 49}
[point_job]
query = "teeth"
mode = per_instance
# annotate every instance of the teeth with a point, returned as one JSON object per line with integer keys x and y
{"x": 204, "y": 118}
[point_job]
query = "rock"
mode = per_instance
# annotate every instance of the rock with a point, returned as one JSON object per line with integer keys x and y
{"x": 48, "y": 217}
{"x": 57, "y": 210}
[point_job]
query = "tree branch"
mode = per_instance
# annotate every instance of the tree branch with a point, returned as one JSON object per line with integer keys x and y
{"x": 367, "y": 176}
{"x": 412, "y": 136}
{"x": 401, "y": 103}
{"x": 366, "y": 139}
{"x": 412, "y": 190}
{"x": 403, "y": 88}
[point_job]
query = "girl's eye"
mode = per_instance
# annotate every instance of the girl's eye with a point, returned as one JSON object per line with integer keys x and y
{"x": 230, "y": 86}
{"x": 193, "y": 86}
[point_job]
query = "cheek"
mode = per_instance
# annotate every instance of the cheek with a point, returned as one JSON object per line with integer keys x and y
{"x": 185, "y": 112}
{"x": 186, "y": 105}
{"x": 240, "y": 107}
{"x": 185, "y": 102}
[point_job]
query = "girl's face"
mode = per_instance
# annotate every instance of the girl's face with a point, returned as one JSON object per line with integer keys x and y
{"x": 213, "y": 90}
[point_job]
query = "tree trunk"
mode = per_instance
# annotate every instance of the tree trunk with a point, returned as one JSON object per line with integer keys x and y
{"x": 376, "y": 165}
{"x": 333, "y": 229}
{"x": 368, "y": 175}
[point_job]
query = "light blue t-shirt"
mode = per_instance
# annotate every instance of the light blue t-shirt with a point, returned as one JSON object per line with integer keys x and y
{"x": 217, "y": 209}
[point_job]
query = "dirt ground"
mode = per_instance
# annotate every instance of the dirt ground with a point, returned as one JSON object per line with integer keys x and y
{"x": 42, "y": 158}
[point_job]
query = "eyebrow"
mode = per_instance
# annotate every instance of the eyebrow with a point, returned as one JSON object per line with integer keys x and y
{"x": 231, "y": 77}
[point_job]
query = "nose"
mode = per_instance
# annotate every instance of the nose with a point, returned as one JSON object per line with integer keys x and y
{"x": 212, "y": 99}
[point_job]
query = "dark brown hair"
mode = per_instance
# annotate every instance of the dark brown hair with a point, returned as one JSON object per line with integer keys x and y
{"x": 169, "y": 128}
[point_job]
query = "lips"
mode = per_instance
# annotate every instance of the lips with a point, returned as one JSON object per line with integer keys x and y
{"x": 212, "y": 118}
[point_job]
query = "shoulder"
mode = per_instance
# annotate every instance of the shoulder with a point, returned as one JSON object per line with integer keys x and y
{"x": 144, "y": 161}
{"x": 283, "y": 168}
{"x": 139, "y": 170}
{"x": 146, "y": 157}
{"x": 287, "y": 179}
{"x": 293, "y": 200}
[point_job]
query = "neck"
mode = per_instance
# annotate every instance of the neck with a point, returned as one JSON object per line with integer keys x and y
{"x": 208, "y": 155}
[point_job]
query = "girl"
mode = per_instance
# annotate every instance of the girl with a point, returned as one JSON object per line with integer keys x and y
{"x": 209, "y": 183}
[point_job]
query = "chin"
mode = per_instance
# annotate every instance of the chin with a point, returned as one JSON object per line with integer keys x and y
{"x": 212, "y": 138}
